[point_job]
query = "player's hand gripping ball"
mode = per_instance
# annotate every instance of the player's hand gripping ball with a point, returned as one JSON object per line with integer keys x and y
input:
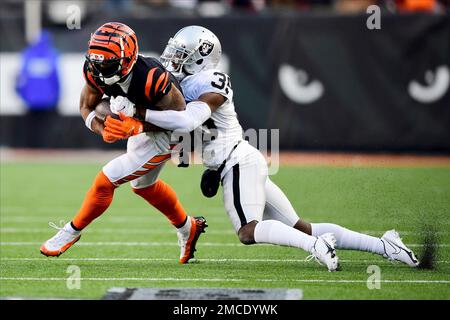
{"x": 121, "y": 104}
{"x": 102, "y": 110}
{"x": 123, "y": 128}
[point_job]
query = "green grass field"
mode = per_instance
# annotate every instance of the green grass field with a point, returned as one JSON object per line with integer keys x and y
{"x": 133, "y": 245}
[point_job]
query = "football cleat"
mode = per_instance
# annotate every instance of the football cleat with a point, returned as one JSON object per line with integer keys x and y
{"x": 324, "y": 251}
{"x": 61, "y": 241}
{"x": 395, "y": 249}
{"x": 188, "y": 241}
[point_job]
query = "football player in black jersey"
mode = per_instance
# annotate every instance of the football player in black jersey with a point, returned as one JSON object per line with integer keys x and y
{"x": 114, "y": 68}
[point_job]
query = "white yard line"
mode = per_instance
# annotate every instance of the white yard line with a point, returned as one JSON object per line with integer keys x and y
{"x": 127, "y": 244}
{"x": 204, "y": 260}
{"x": 223, "y": 280}
{"x": 13, "y": 210}
{"x": 146, "y": 231}
{"x": 150, "y": 231}
{"x": 152, "y": 217}
{"x": 358, "y": 281}
{"x": 162, "y": 244}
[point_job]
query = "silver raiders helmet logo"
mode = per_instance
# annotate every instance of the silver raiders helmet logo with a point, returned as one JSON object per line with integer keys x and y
{"x": 205, "y": 48}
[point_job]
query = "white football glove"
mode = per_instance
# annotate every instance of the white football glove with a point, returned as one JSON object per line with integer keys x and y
{"x": 162, "y": 142}
{"x": 122, "y": 104}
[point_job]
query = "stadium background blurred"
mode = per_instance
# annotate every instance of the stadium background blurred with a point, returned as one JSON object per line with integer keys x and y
{"x": 311, "y": 68}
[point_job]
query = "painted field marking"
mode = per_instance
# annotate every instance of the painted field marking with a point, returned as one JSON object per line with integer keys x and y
{"x": 107, "y": 219}
{"x": 146, "y": 231}
{"x": 149, "y": 231}
{"x": 224, "y": 280}
{"x": 202, "y": 259}
{"x": 13, "y": 210}
{"x": 152, "y": 217}
{"x": 164, "y": 244}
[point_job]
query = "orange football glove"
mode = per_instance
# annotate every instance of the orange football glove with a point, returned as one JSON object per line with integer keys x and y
{"x": 125, "y": 127}
{"x": 111, "y": 136}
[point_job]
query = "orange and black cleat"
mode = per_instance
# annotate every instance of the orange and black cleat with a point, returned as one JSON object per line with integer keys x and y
{"x": 188, "y": 241}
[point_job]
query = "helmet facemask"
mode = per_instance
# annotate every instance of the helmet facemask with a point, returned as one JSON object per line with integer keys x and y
{"x": 108, "y": 71}
{"x": 192, "y": 50}
{"x": 179, "y": 60}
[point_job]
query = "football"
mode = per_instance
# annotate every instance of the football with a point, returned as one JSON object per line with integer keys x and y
{"x": 102, "y": 110}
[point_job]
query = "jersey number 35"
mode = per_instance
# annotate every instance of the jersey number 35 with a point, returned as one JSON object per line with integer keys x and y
{"x": 223, "y": 82}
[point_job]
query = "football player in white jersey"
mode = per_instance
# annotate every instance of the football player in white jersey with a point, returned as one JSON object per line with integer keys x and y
{"x": 259, "y": 211}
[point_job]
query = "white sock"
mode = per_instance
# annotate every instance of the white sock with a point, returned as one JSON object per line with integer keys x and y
{"x": 186, "y": 228}
{"x": 275, "y": 232}
{"x": 68, "y": 227}
{"x": 347, "y": 239}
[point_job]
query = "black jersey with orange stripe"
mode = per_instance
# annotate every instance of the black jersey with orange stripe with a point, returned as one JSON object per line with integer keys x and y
{"x": 150, "y": 81}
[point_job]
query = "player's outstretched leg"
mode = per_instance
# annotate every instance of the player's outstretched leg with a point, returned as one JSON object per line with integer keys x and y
{"x": 279, "y": 207}
{"x": 389, "y": 245}
{"x": 163, "y": 197}
{"x": 97, "y": 200}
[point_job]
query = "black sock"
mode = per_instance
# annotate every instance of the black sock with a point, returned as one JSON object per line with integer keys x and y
{"x": 74, "y": 228}
{"x": 181, "y": 225}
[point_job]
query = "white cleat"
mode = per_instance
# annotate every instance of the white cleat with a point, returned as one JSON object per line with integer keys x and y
{"x": 61, "y": 241}
{"x": 395, "y": 249}
{"x": 324, "y": 251}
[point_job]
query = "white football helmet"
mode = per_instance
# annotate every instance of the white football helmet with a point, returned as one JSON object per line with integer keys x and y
{"x": 190, "y": 51}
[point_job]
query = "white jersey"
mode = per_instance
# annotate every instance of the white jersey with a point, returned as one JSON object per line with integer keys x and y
{"x": 228, "y": 131}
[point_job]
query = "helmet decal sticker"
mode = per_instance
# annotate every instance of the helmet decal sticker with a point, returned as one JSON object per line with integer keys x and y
{"x": 206, "y": 48}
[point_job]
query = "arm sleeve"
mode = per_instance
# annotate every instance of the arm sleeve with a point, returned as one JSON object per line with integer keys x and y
{"x": 157, "y": 84}
{"x": 195, "y": 114}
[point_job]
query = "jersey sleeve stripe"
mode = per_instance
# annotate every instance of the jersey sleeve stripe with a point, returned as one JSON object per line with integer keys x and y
{"x": 149, "y": 82}
{"x": 162, "y": 77}
{"x": 159, "y": 158}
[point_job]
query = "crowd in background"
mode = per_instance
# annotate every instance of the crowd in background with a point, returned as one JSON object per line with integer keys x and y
{"x": 215, "y": 8}
{"x": 338, "y": 5}
{"x": 344, "y": 6}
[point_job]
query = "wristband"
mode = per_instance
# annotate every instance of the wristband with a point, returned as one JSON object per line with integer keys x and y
{"x": 89, "y": 120}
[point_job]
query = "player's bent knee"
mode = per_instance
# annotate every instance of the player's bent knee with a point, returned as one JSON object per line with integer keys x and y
{"x": 246, "y": 239}
{"x": 247, "y": 233}
{"x": 102, "y": 183}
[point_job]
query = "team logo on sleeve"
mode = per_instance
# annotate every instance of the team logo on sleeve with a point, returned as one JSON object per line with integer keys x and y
{"x": 206, "y": 48}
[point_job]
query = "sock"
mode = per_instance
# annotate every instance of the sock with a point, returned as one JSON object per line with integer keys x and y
{"x": 275, "y": 232}
{"x": 72, "y": 227}
{"x": 69, "y": 227}
{"x": 97, "y": 200}
{"x": 347, "y": 239}
{"x": 163, "y": 197}
{"x": 186, "y": 228}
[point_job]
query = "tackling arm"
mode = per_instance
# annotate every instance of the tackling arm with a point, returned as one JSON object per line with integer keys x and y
{"x": 173, "y": 100}
{"x": 194, "y": 115}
